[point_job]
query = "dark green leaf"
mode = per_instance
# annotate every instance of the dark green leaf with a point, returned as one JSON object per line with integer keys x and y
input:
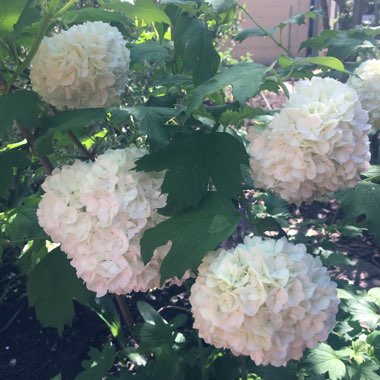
{"x": 149, "y": 314}
{"x": 63, "y": 121}
{"x": 151, "y": 121}
{"x": 231, "y": 117}
{"x": 253, "y": 32}
{"x": 192, "y": 162}
{"x": 363, "y": 199}
{"x": 30, "y": 14}
{"x": 106, "y": 311}
{"x": 365, "y": 371}
{"x": 374, "y": 340}
{"x": 193, "y": 234}
{"x": 10, "y": 159}
{"x": 98, "y": 364}
{"x": 146, "y": 10}
{"x": 23, "y": 224}
{"x": 150, "y": 52}
{"x": 23, "y": 106}
{"x": 246, "y": 79}
{"x": 343, "y": 43}
{"x": 174, "y": 80}
{"x": 324, "y": 359}
{"x": 51, "y": 287}
{"x": 193, "y": 42}
{"x": 300, "y": 18}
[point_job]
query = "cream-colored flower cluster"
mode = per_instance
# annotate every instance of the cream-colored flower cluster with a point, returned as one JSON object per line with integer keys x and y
{"x": 367, "y": 85}
{"x": 85, "y": 66}
{"x": 265, "y": 298}
{"x": 98, "y": 212}
{"x": 317, "y": 144}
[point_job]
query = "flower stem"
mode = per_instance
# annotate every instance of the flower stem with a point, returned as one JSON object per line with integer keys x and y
{"x": 65, "y": 7}
{"x": 33, "y": 50}
{"x": 278, "y": 43}
{"x": 204, "y": 374}
{"x": 126, "y": 314}
{"x": 243, "y": 367}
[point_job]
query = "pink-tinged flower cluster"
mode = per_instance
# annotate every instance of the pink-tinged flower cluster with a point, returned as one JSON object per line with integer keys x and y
{"x": 85, "y": 66}
{"x": 317, "y": 144}
{"x": 366, "y": 82}
{"x": 98, "y": 212}
{"x": 265, "y": 298}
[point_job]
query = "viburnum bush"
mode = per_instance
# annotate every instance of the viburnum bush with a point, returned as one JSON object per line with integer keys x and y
{"x": 131, "y": 160}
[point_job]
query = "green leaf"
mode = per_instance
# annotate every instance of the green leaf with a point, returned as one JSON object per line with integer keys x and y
{"x": 150, "y": 121}
{"x": 365, "y": 371}
{"x": 14, "y": 158}
{"x": 246, "y": 79}
{"x": 23, "y": 224}
{"x": 300, "y": 18}
{"x": 93, "y": 14}
{"x": 193, "y": 234}
{"x": 107, "y": 312}
{"x": 150, "y": 315}
{"x": 324, "y": 359}
{"x": 330, "y": 62}
{"x": 31, "y": 14}
{"x": 192, "y": 162}
{"x": 231, "y": 117}
{"x": 193, "y": 42}
{"x": 174, "y": 80}
{"x": 98, "y": 364}
{"x": 23, "y": 106}
{"x": 365, "y": 312}
{"x": 146, "y": 10}
{"x": 63, "y": 121}
{"x": 51, "y": 287}
{"x": 374, "y": 295}
{"x": 253, "y": 32}
{"x": 221, "y": 5}
{"x": 150, "y": 52}
{"x": 363, "y": 199}
{"x": 344, "y": 43}
{"x": 10, "y": 11}
{"x": 374, "y": 340}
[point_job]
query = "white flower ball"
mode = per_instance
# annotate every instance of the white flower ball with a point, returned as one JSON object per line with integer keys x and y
{"x": 317, "y": 144}
{"x": 99, "y": 212}
{"x": 368, "y": 88}
{"x": 265, "y": 298}
{"x": 85, "y": 66}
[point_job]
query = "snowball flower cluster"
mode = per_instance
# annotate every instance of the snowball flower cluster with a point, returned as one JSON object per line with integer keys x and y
{"x": 98, "y": 212}
{"x": 85, "y": 66}
{"x": 317, "y": 144}
{"x": 367, "y": 85}
{"x": 265, "y": 298}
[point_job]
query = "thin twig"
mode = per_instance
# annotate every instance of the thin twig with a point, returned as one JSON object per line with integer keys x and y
{"x": 202, "y": 358}
{"x": 126, "y": 315}
{"x": 83, "y": 149}
{"x": 279, "y": 44}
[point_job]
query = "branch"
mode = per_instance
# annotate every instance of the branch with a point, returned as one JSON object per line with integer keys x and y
{"x": 83, "y": 149}
{"x": 126, "y": 315}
